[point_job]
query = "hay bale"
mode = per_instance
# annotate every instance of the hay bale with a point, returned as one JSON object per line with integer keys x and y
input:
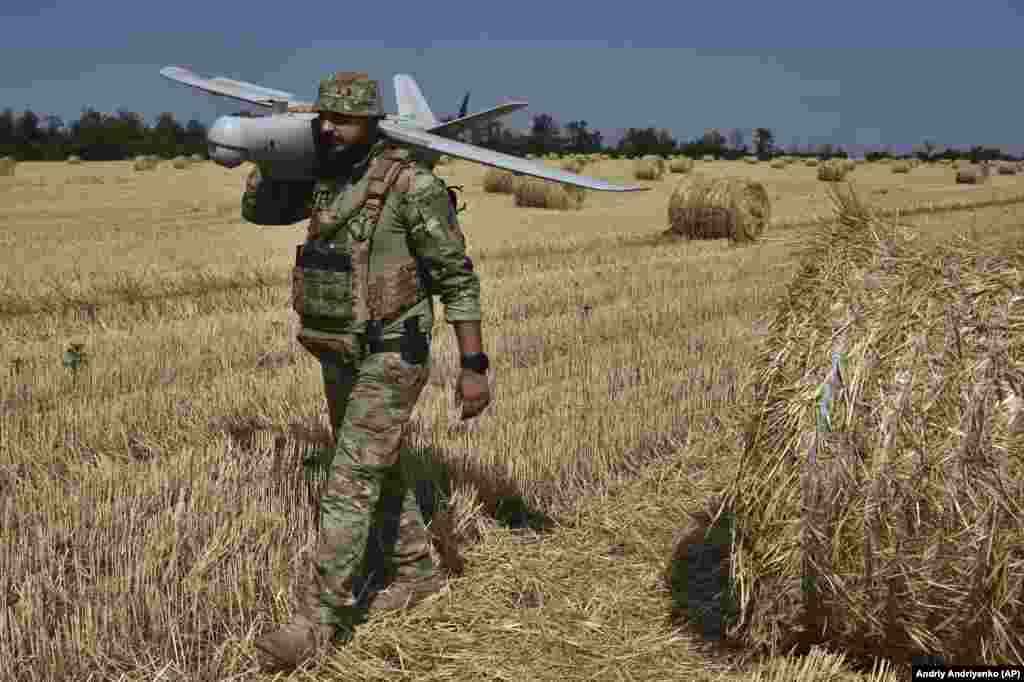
{"x": 573, "y": 165}
{"x": 74, "y": 160}
{"x": 1007, "y": 169}
{"x": 779, "y": 163}
{"x": 657, "y": 160}
{"x": 145, "y": 163}
{"x": 706, "y": 208}
{"x": 648, "y": 169}
{"x": 832, "y": 171}
{"x": 750, "y": 159}
{"x": 972, "y": 174}
{"x": 499, "y": 181}
{"x": 811, "y": 162}
{"x": 680, "y": 164}
{"x": 533, "y": 192}
{"x": 877, "y": 504}
{"x": 181, "y": 162}
{"x": 7, "y": 165}
{"x": 901, "y": 167}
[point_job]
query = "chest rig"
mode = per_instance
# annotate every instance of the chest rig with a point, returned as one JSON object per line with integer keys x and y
{"x": 352, "y": 272}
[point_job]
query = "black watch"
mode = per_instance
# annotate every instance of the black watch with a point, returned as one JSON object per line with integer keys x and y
{"x": 477, "y": 362}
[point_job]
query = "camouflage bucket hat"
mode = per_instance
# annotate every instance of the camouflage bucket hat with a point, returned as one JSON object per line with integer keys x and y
{"x": 349, "y": 93}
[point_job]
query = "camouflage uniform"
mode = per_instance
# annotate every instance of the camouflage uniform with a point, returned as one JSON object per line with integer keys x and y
{"x": 382, "y": 240}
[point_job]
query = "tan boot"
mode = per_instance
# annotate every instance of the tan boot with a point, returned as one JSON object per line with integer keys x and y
{"x": 406, "y": 594}
{"x": 296, "y": 642}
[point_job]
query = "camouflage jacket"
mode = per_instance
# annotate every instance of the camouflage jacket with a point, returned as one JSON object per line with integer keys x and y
{"x": 417, "y": 215}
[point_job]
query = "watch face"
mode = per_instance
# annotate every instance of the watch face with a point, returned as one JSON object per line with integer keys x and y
{"x": 477, "y": 363}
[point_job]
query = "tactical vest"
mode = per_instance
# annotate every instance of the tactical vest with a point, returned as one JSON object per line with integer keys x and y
{"x": 347, "y": 271}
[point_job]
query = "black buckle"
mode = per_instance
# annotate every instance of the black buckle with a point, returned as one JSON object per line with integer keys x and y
{"x": 374, "y": 330}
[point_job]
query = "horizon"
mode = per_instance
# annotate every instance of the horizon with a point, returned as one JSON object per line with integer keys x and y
{"x": 861, "y": 98}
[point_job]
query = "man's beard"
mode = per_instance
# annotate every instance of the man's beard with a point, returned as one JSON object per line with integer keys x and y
{"x": 336, "y": 159}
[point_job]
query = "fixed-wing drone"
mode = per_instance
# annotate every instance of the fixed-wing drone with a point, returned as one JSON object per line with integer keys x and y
{"x": 286, "y": 140}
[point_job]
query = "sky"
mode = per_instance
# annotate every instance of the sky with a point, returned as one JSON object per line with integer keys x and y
{"x": 858, "y": 74}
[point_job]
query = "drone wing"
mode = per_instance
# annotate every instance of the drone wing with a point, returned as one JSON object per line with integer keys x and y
{"x": 442, "y": 145}
{"x": 239, "y": 90}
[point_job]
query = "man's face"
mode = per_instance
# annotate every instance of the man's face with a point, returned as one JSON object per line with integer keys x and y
{"x": 347, "y": 130}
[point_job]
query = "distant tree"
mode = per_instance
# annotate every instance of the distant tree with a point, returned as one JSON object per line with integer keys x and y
{"x": 737, "y": 140}
{"x": 27, "y": 128}
{"x": 581, "y": 140}
{"x": 713, "y": 138}
{"x": 929, "y": 147}
{"x": 168, "y": 135}
{"x": 6, "y": 127}
{"x": 195, "y": 133}
{"x": 763, "y": 141}
{"x": 640, "y": 142}
{"x": 576, "y": 132}
{"x": 544, "y": 135}
{"x": 54, "y": 126}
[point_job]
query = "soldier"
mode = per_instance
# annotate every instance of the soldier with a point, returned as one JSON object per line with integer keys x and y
{"x": 383, "y": 239}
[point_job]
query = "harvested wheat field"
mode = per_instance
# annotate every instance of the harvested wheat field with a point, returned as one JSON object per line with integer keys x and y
{"x": 156, "y": 409}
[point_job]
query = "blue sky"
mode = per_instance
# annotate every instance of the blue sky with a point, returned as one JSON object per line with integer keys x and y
{"x": 857, "y": 74}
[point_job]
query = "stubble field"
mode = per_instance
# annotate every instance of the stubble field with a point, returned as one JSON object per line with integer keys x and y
{"x": 154, "y": 508}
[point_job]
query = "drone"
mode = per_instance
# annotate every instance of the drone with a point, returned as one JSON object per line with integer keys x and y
{"x": 285, "y": 140}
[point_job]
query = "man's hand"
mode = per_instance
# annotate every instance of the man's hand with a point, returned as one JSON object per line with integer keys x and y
{"x": 472, "y": 392}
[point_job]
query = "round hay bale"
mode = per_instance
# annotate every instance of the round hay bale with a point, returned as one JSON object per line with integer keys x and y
{"x": 180, "y": 162}
{"x": 972, "y": 174}
{"x": 657, "y": 160}
{"x": 901, "y": 167}
{"x": 877, "y": 501}
{"x": 573, "y": 165}
{"x": 681, "y": 164}
{"x": 811, "y": 162}
{"x": 647, "y": 169}
{"x": 499, "y": 181}
{"x": 7, "y": 165}
{"x": 779, "y": 163}
{"x": 706, "y": 208}
{"x": 750, "y": 159}
{"x": 832, "y": 171}
{"x": 1007, "y": 169}
{"x": 145, "y": 163}
{"x": 532, "y": 192}
{"x": 707, "y": 157}
{"x": 74, "y": 160}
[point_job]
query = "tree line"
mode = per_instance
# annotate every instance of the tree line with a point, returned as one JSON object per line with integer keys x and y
{"x": 125, "y": 134}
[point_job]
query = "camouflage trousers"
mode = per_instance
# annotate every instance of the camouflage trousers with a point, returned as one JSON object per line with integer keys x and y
{"x": 372, "y": 531}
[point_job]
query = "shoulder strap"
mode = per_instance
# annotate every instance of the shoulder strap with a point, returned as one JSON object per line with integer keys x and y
{"x": 384, "y": 174}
